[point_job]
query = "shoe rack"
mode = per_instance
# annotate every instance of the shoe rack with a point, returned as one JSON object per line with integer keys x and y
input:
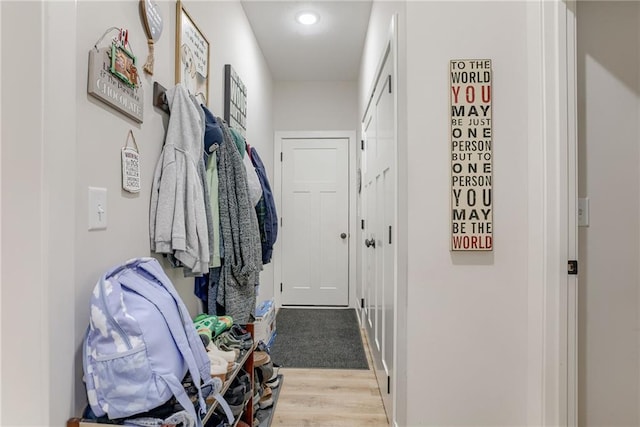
{"x": 244, "y": 363}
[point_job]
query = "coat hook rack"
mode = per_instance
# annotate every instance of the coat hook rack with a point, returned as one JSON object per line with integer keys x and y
{"x": 160, "y": 97}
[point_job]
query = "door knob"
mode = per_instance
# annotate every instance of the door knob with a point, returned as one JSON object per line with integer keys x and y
{"x": 370, "y": 243}
{"x": 343, "y": 235}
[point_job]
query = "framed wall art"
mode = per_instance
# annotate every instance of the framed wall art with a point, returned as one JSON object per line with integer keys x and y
{"x": 235, "y": 100}
{"x": 192, "y": 55}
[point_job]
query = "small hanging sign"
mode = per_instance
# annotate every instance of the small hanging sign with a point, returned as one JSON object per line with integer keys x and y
{"x": 153, "y": 26}
{"x": 113, "y": 76}
{"x": 131, "y": 166}
{"x": 471, "y": 155}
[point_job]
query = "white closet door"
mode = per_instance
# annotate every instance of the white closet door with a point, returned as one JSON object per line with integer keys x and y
{"x": 379, "y": 214}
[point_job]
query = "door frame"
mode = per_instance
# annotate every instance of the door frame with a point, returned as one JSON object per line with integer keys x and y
{"x": 277, "y": 190}
{"x": 552, "y": 330}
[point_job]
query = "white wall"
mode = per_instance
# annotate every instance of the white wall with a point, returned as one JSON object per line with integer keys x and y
{"x": 468, "y": 358}
{"x": 38, "y": 135}
{"x": 311, "y": 106}
{"x": 57, "y": 141}
{"x": 467, "y": 314}
{"x": 22, "y": 214}
{"x": 0, "y": 219}
{"x": 609, "y": 174}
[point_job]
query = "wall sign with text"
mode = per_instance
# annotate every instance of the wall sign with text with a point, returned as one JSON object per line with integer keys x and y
{"x": 471, "y": 155}
{"x": 113, "y": 76}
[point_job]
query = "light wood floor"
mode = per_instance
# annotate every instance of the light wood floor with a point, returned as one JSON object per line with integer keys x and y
{"x": 330, "y": 398}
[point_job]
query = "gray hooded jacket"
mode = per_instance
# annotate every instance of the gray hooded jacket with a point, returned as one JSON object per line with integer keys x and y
{"x": 177, "y": 218}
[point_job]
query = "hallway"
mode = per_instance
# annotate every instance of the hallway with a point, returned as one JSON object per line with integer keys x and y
{"x": 330, "y": 397}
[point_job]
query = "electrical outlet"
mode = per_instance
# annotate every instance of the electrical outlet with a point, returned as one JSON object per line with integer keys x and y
{"x": 97, "y": 208}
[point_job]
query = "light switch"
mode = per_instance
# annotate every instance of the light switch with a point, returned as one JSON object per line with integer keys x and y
{"x": 583, "y": 212}
{"x": 97, "y": 208}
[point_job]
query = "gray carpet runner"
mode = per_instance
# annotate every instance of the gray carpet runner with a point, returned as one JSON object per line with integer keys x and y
{"x": 318, "y": 338}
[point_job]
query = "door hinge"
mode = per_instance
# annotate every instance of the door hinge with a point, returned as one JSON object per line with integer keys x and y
{"x": 572, "y": 267}
{"x": 389, "y": 234}
{"x": 281, "y": 156}
{"x": 362, "y": 144}
{"x": 388, "y": 384}
{"x": 280, "y": 221}
{"x": 389, "y": 83}
{"x": 361, "y": 302}
{"x": 362, "y": 224}
{"x": 280, "y": 287}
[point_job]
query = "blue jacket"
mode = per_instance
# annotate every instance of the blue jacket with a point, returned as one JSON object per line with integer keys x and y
{"x": 266, "y": 208}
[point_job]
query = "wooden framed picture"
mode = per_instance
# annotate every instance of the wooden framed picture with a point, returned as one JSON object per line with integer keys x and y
{"x": 123, "y": 65}
{"x": 192, "y": 55}
{"x": 235, "y": 100}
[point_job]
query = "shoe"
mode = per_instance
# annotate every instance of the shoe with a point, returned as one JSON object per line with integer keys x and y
{"x": 218, "y": 367}
{"x": 264, "y": 372}
{"x": 229, "y": 356}
{"x": 266, "y": 401}
{"x": 245, "y": 342}
{"x": 260, "y": 358}
{"x": 276, "y": 369}
{"x": 226, "y": 340}
{"x": 273, "y": 382}
{"x": 241, "y": 334}
{"x": 243, "y": 379}
{"x": 204, "y": 324}
{"x": 224, "y": 323}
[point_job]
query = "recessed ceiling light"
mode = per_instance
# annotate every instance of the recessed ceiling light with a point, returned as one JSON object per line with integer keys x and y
{"x": 307, "y": 18}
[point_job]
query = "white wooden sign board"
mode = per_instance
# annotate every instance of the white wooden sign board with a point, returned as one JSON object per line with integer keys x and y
{"x": 471, "y": 155}
{"x": 111, "y": 90}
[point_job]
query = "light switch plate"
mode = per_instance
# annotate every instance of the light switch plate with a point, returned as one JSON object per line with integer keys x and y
{"x": 583, "y": 212}
{"x": 97, "y": 208}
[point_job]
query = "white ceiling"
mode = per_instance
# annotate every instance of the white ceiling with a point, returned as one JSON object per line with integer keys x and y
{"x": 327, "y": 51}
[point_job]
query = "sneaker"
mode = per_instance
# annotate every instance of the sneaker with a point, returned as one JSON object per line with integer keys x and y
{"x": 266, "y": 401}
{"x": 224, "y": 323}
{"x": 205, "y": 325}
{"x": 228, "y": 341}
{"x": 229, "y": 356}
{"x": 273, "y": 382}
{"x": 218, "y": 367}
{"x": 242, "y": 343}
{"x": 241, "y": 334}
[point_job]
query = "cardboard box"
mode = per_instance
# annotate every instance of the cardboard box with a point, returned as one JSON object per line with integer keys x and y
{"x": 265, "y": 323}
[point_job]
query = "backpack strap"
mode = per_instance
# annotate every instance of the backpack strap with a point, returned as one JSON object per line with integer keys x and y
{"x": 152, "y": 266}
{"x": 215, "y": 392}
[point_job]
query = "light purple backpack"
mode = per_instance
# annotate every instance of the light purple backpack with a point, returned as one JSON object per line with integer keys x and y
{"x": 140, "y": 344}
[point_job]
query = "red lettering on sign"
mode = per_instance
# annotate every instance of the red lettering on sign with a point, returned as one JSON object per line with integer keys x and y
{"x": 456, "y": 91}
{"x": 472, "y": 242}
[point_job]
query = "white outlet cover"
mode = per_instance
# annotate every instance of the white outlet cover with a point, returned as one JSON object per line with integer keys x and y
{"x": 97, "y": 209}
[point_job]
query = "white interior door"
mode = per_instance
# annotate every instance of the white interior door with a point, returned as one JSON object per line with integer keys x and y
{"x": 315, "y": 221}
{"x": 379, "y": 216}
